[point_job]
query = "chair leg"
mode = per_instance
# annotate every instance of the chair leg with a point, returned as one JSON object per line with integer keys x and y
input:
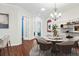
{"x": 4, "y": 51}
{"x": 0, "y": 52}
{"x": 39, "y": 52}
{"x": 38, "y": 49}
{"x": 8, "y": 49}
{"x": 8, "y": 45}
{"x": 76, "y": 51}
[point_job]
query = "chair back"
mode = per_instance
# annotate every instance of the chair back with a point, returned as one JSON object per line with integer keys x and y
{"x": 76, "y": 44}
{"x": 43, "y": 44}
{"x": 65, "y": 47}
{"x": 4, "y": 41}
{"x": 41, "y": 40}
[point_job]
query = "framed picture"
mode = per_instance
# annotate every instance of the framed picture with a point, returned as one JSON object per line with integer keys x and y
{"x": 76, "y": 28}
{"x": 49, "y": 25}
{"x": 4, "y": 21}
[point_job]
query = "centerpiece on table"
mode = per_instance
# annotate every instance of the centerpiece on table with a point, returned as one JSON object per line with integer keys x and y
{"x": 54, "y": 28}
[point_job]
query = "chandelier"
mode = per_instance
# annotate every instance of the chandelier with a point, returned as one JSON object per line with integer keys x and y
{"x": 56, "y": 14}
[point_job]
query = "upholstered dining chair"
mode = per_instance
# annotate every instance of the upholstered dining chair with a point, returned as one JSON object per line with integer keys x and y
{"x": 75, "y": 47}
{"x": 65, "y": 48}
{"x": 4, "y": 43}
{"x": 45, "y": 46}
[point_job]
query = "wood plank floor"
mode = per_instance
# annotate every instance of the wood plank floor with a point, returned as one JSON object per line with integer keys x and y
{"x": 20, "y": 50}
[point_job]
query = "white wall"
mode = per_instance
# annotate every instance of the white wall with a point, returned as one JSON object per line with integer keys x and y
{"x": 15, "y": 22}
{"x": 44, "y": 27}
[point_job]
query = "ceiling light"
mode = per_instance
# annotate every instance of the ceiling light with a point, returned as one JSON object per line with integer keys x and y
{"x": 55, "y": 15}
{"x": 42, "y": 9}
{"x": 51, "y": 15}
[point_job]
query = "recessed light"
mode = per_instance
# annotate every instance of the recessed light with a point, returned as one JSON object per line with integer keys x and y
{"x": 43, "y": 9}
{"x": 51, "y": 15}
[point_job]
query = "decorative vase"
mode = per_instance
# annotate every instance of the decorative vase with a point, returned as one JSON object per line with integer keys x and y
{"x": 55, "y": 33}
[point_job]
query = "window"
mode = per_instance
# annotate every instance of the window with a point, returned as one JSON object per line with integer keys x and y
{"x": 37, "y": 26}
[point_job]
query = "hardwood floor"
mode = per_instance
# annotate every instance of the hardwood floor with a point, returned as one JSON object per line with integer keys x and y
{"x": 20, "y": 50}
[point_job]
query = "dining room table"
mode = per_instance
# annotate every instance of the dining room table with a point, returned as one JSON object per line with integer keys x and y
{"x": 59, "y": 39}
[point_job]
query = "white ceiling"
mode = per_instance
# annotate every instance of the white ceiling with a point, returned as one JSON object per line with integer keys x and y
{"x": 34, "y": 8}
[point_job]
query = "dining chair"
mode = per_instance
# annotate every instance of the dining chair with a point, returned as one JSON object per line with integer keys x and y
{"x": 75, "y": 47}
{"x": 45, "y": 46}
{"x": 65, "y": 48}
{"x": 4, "y": 42}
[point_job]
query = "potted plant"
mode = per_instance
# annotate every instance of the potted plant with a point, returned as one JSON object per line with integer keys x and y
{"x": 54, "y": 28}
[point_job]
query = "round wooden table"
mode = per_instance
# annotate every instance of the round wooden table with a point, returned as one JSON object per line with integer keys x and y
{"x": 55, "y": 40}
